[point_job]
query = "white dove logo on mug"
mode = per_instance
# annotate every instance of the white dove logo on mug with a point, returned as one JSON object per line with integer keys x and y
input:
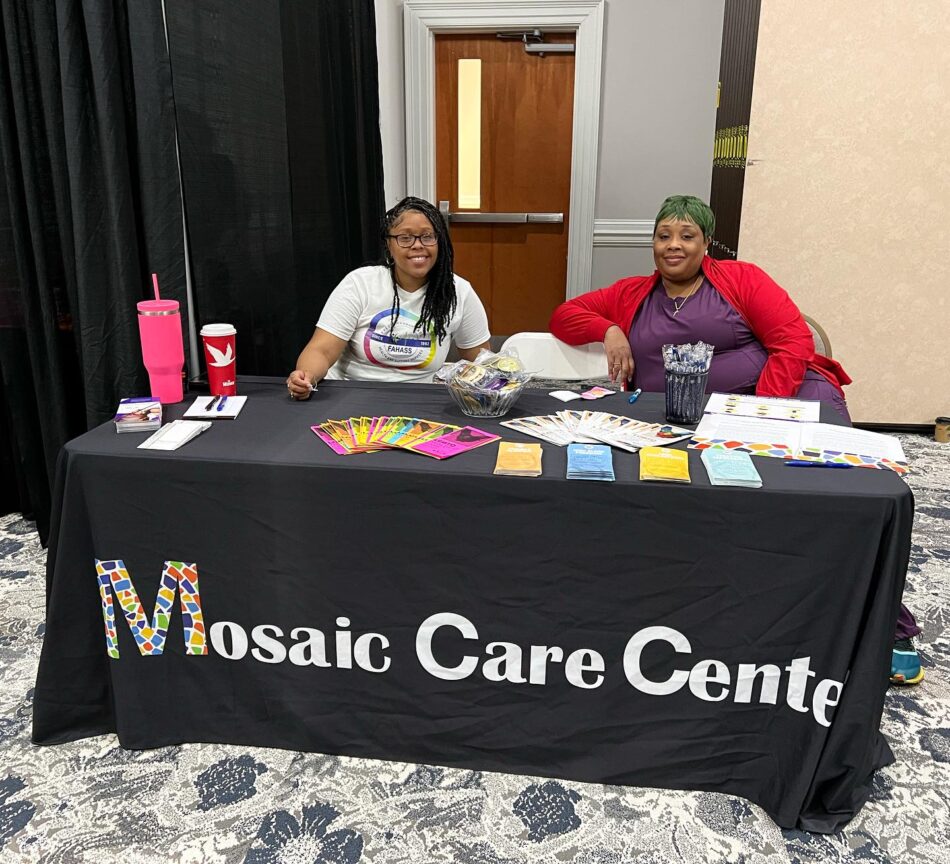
{"x": 221, "y": 358}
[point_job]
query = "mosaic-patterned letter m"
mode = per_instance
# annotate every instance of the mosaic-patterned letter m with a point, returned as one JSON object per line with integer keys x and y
{"x": 113, "y": 577}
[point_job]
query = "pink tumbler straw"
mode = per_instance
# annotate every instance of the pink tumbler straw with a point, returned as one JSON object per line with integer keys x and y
{"x": 163, "y": 350}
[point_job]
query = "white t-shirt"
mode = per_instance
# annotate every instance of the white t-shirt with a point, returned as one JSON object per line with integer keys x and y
{"x": 360, "y": 311}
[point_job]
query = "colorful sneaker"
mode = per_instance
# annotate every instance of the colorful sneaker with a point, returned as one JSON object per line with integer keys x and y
{"x": 905, "y": 664}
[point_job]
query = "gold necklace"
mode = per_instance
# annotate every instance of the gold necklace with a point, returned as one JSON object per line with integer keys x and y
{"x": 682, "y": 303}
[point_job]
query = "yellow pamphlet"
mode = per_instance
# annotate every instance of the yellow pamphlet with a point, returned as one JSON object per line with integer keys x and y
{"x": 518, "y": 460}
{"x": 661, "y": 463}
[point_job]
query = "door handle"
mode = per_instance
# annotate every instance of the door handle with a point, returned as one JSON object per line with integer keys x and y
{"x": 547, "y": 218}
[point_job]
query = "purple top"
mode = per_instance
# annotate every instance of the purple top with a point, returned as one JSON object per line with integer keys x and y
{"x": 738, "y": 357}
{"x": 707, "y": 317}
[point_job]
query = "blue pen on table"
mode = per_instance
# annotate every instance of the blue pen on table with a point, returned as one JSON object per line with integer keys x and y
{"x": 210, "y": 405}
{"x": 803, "y": 463}
{"x": 221, "y": 403}
{"x": 635, "y": 395}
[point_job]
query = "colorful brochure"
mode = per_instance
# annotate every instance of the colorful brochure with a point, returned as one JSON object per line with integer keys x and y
{"x": 823, "y": 442}
{"x": 598, "y": 427}
{"x": 371, "y": 434}
{"x": 329, "y": 440}
{"x": 459, "y": 441}
{"x": 597, "y": 393}
{"x": 138, "y": 414}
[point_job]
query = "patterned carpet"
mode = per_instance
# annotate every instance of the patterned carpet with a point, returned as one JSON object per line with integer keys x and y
{"x": 93, "y": 802}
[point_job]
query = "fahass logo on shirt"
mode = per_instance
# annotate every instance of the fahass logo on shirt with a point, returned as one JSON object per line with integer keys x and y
{"x": 398, "y": 344}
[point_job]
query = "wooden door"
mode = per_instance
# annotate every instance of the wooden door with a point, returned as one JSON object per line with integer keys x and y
{"x": 527, "y": 104}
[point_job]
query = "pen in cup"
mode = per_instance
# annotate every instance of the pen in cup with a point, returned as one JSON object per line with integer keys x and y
{"x": 635, "y": 395}
{"x": 210, "y": 404}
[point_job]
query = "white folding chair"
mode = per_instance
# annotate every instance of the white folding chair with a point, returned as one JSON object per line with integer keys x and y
{"x": 822, "y": 342}
{"x": 549, "y": 357}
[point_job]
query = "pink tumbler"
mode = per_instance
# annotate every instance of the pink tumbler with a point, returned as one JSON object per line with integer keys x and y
{"x": 162, "y": 349}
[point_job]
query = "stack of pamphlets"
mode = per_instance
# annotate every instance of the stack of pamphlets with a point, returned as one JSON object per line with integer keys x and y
{"x": 731, "y": 468}
{"x": 518, "y": 460}
{"x": 173, "y": 435}
{"x": 659, "y": 464}
{"x": 428, "y": 437}
{"x": 138, "y": 414}
{"x": 589, "y": 462}
{"x": 581, "y": 427}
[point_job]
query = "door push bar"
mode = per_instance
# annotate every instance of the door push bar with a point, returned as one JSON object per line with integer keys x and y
{"x": 548, "y": 218}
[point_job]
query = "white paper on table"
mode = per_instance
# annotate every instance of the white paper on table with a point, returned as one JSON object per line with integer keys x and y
{"x": 764, "y": 407}
{"x": 565, "y": 395}
{"x": 174, "y": 434}
{"x": 198, "y": 409}
{"x": 799, "y": 437}
{"x": 751, "y": 430}
{"x": 844, "y": 439}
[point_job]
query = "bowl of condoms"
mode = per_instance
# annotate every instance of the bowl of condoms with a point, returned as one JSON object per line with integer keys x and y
{"x": 486, "y": 387}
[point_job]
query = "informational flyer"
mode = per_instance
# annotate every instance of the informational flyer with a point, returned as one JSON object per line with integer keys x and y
{"x": 764, "y": 407}
{"x": 823, "y": 442}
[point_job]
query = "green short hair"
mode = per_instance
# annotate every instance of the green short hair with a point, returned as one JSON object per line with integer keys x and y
{"x": 688, "y": 208}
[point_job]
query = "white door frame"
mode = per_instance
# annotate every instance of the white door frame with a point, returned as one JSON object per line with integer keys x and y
{"x": 422, "y": 19}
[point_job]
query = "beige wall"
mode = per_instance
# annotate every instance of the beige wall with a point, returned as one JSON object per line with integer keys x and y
{"x": 848, "y": 203}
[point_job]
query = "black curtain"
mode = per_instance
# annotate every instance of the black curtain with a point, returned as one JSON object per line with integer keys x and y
{"x": 278, "y": 118}
{"x": 740, "y": 34}
{"x": 89, "y": 206}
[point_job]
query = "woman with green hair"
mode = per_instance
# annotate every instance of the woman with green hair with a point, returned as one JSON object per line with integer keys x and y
{"x": 761, "y": 343}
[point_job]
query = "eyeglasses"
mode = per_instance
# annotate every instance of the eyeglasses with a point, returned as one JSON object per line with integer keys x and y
{"x": 407, "y": 240}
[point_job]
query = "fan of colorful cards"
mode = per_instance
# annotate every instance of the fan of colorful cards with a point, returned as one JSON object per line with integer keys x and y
{"x": 428, "y": 437}
{"x": 598, "y": 427}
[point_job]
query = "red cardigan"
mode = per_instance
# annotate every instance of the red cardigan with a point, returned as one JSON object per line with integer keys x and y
{"x": 764, "y": 306}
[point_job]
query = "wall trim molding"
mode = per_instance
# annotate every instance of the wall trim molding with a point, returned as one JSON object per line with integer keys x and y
{"x": 623, "y": 232}
{"x": 422, "y": 19}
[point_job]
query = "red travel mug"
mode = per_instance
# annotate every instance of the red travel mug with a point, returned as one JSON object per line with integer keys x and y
{"x": 220, "y": 357}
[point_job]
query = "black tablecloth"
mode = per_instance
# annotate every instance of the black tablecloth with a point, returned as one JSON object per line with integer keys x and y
{"x": 388, "y": 605}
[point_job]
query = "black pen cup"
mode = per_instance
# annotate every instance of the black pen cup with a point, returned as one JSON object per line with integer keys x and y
{"x": 685, "y": 395}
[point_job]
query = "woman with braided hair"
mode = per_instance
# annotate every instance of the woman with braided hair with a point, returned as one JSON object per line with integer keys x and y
{"x": 395, "y": 321}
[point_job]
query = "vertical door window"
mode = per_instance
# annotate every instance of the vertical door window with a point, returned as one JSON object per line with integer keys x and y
{"x": 470, "y": 134}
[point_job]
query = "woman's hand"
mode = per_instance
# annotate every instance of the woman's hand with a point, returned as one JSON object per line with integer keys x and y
{"x": 619, "y": 356}
{"x": 319, "y": 354}
{"x": 298, "y": 384}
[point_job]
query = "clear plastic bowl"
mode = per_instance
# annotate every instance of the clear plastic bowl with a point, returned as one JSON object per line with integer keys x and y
{"x": 478, "y": 402}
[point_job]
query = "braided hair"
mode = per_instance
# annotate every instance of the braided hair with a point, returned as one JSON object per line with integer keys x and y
{"x": 440, "y": 300}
